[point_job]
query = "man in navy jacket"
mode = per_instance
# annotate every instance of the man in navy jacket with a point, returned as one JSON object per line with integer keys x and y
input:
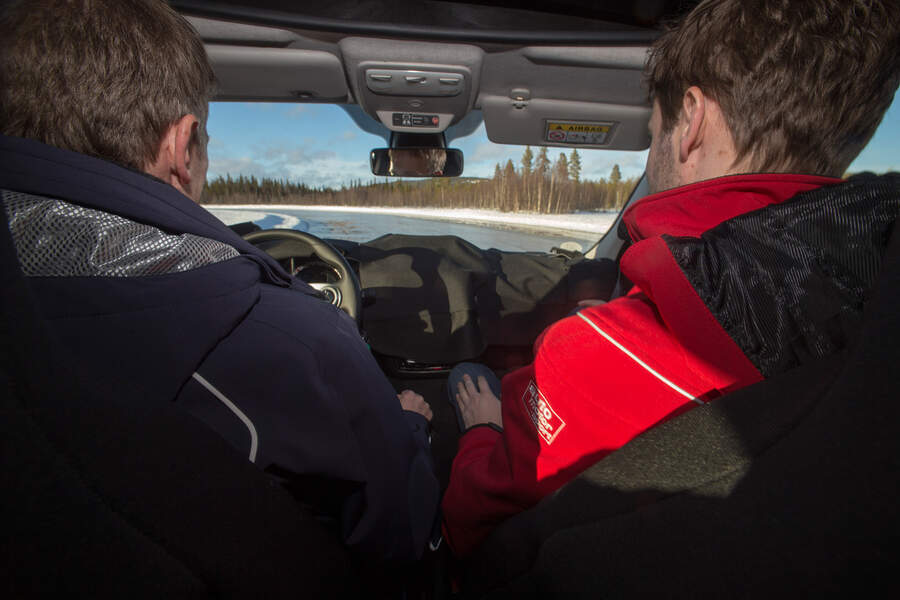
{"x": 101, "y": 162}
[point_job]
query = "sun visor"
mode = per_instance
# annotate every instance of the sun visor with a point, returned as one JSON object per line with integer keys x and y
{"x": 624, "y": 57}
{"x": 547, "y": 122}
{"x": 277, "y": 74}
{"x": 228, "y": 32}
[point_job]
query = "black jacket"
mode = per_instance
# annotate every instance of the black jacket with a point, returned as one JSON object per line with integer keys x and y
{"x": 251, "y": 352}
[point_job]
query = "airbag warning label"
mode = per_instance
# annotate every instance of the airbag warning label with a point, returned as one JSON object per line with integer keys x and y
{"x": 572, "y": 132}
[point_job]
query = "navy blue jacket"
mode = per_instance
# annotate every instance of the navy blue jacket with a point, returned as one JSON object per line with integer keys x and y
{"x": 250, "y": 351}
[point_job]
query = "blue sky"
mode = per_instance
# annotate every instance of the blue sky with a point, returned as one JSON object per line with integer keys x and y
{"x": 319, "y": 144}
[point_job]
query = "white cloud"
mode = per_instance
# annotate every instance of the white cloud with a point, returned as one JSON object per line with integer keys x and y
{"x": 297, "y": 111}
{"x": 282, "y": 154}
{"x": 598, "y": 164}
{"x": 328, "y": 171}
{"x": 298, "y": 163}
{"x": 220, "y": 167}
{"x": 489, "y": 151}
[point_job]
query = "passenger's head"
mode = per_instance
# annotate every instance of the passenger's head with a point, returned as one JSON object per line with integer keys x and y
{"x": 109, "y": 78}
{"x": 800, "y": 85}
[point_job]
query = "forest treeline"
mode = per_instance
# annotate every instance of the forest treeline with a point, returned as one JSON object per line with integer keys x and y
{"x": 535, "y": 185}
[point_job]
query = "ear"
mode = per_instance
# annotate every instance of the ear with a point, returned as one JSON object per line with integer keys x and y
{"x": 177, "y": 151}
{"x": 185, "y": 148}
{"x": 691, "y": 124}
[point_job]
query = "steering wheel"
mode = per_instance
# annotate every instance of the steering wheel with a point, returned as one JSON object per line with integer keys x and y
{"x": 283, "y": 244}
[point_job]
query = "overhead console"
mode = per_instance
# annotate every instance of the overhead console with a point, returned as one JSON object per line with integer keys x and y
{"x": 411, "y": 82}
{"x": 414, "y": 87}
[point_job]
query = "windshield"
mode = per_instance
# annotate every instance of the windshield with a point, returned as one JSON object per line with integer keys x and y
{"x": 306, "y": 166}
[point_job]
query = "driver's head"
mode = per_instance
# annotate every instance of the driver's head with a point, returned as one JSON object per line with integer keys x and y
{"x": 123, "y": 80}
{"x": 797, "y": 85}
{"x": 412, "y": 162}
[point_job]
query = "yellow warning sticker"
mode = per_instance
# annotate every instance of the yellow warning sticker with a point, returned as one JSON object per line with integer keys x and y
{"x": 572, "y": 132}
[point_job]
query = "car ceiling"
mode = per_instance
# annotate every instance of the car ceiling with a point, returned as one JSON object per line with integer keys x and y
{"x": 517, "y": 68}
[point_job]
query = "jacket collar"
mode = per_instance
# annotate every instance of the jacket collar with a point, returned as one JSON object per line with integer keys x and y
{"x": 31, "y": 167}
{"x": 692, "y": 209}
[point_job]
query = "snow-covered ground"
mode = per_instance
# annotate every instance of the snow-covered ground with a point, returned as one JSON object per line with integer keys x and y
{"x": 592, "y": 223}
{"x": 241, "y": 214}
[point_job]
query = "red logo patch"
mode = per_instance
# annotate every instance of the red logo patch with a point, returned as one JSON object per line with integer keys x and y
{"x": 545, "y": 419}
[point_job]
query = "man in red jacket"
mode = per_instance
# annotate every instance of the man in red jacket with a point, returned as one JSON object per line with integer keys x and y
{"x": 749, "y": 257}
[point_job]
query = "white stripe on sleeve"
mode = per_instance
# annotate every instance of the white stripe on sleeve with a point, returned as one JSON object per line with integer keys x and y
{"x": 631, "y": 355}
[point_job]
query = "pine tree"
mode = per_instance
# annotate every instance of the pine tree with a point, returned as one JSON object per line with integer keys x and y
{"x": 541, "y": 172}
{"x": 527, "y": 158}
{"x": 575, "y": 189}
{"x": 561, "y": 169}
{"x": 575, "y": 166}
{"x": 616, "y": 176}
{"x": 542, "y": 167}
{"x": 615, "y": 179}
{"x": 509, "y": 187}
{"x": 558, "y": 180}
{"x": 523, "y": 197}
{"x": 498, "y": 184}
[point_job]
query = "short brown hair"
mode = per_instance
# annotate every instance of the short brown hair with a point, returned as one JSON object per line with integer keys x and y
{"x": 100, "y": 77}
{"x": 803, "y": 84}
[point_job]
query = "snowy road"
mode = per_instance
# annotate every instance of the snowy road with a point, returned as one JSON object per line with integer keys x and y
{"x": 486, "y": 229}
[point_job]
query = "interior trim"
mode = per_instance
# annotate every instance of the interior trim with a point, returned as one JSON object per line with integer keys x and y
{"x": 283, "y": 19}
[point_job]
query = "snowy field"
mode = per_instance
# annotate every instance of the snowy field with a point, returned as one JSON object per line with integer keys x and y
{"x": 592, "y": 223}
{"x": 241, "y": 214}
{"x": 484, "y": 228}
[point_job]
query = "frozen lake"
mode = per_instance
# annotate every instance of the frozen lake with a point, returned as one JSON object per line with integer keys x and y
{"x": 485, "y": 229}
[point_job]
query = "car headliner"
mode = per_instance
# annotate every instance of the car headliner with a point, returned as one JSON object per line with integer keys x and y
{"x": 569, "y": 61}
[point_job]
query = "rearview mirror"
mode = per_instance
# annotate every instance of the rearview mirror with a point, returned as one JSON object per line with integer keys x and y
{"x": 417, "y": 162}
